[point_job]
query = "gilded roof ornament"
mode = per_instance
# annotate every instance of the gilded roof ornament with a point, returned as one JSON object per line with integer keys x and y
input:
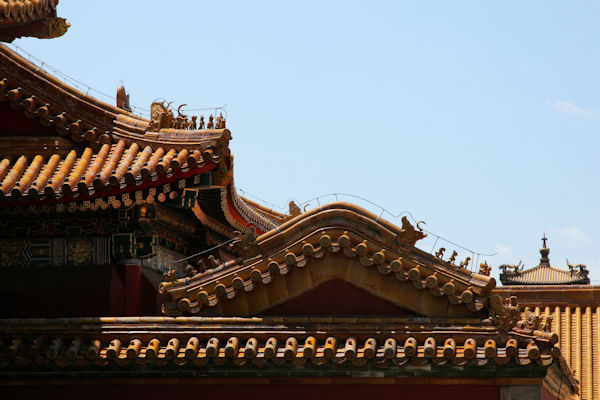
{"x": 161, "y": 116}
{"x": 57, "y": 27}
{"x": 245, "y": 244}
{"x": 123, "y": 99}
{"x": 505, "y": 311}
{"x": 581, "y": 267}
{"x": 440, "y": 253}
{"x": 181, "y": 120}
{"x": 484, "y": 269}
{"x": 532, "y": 322}
{"x": 452, "y": 258}
{"x": 409, "y": 235}
{"x": 512, "y": 269}
{"x": 465, "y": 263}
{"x": 294, "y": 211}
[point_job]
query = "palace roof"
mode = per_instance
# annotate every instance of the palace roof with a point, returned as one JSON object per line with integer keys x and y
{"x": 76, "y": 152}
{"x": 544, "y": 273}
{"x": 63, "y": 150}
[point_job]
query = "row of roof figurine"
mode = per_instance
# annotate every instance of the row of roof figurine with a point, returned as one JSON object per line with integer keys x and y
{"x": 518, "y": 268}
{"x": 484, "y": 268}
{"x": 161, "y": 116}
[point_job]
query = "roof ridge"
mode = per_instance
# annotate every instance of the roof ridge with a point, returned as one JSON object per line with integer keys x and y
{"x": 333, "y": 230}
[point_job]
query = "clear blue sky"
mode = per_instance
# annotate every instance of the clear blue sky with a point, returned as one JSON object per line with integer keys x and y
{"x": 481, "y": 118}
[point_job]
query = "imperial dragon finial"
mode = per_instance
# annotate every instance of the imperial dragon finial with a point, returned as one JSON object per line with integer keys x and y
{"x": 57, "y": 27}
{"x": 512, "y": 269}
{"x": 581, "y": 267}
{"x": 160, "y": 116}
{"x": 408, "y": 234}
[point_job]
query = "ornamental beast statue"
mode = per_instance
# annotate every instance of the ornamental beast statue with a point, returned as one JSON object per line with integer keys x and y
{"x": 512, "y": 269}
{"x": 160, "y": 116}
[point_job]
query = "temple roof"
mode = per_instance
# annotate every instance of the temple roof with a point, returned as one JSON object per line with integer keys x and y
{"x": 544, "y": 273}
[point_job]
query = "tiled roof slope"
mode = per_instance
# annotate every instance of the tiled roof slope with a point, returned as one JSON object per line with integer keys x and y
{"x": 92, "y": 172}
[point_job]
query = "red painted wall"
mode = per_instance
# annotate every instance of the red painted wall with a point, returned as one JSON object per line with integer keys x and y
{"x": 336, "y": 297}
{"x": 86, "y": 291}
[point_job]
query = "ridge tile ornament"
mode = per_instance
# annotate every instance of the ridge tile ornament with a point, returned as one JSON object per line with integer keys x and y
{"x": 294, "y": 211}
{"x": 123, "y": 99}
{"x": 409, "y": 235}
{"x": 544, "y": 273}
{"x": 440, "y": 253}
{"x": 452, "y": 258}
{"x": 512, "y": 269}
{"x": 484, "y": 269}
{"x": 162, "y": 117}
{"x": 245, "y": 244}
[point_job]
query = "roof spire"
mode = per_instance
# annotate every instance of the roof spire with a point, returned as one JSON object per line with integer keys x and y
{"x": 544, "y": 238}
{"x": 544, "y": 251}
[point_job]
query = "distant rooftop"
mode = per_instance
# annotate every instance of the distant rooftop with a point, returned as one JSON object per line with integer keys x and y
{"x": 544, "y": 273}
